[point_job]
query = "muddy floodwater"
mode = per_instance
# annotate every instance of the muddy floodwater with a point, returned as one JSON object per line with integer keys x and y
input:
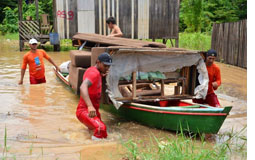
{"x": 40, "y": 119}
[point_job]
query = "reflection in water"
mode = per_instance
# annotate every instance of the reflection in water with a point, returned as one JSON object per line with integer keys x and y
{"x": 42, "y": 117}
{"x": 35, "y": 95}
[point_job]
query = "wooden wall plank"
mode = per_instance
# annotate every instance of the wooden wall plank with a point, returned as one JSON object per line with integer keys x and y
{"x": 230, "y": 41}
{"x": 161, "y": 19}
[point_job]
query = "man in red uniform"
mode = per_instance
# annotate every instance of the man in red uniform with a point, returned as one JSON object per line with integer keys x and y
{"x": 214, "y": 80}
{"x": 34, "y": 58}
{"x": 90, "y": 90}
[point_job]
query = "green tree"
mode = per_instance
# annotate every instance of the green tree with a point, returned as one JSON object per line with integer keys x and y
{"x": 192, "y": 14}
{"x": 6, "y": 3}
{"x": 10, "y": 22}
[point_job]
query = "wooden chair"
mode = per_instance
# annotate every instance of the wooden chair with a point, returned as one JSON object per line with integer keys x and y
{"x": 45, "y": 25}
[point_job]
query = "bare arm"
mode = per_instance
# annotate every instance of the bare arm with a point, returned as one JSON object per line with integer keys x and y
{"x": 22, "y": 76}
{"x": 85, "y": 95}
{"x": 52, "y": 62}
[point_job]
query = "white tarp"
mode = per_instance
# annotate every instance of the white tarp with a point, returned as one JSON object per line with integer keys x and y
{"x": 126, "y": 61}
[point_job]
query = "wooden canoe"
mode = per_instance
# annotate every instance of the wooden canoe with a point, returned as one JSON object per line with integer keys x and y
{"x": 169, "y": 115}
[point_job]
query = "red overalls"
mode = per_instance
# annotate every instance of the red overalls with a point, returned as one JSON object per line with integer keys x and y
{"x": 211, "y": 97}
{"x": 94, "y": 76}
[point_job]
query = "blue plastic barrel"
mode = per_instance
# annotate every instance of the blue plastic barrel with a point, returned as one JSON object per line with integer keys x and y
{"x": 54, "y": 38}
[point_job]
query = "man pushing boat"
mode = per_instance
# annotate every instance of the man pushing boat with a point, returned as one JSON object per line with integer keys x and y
{"x": 214, "y": 80}
{"x": 90, "y": 95}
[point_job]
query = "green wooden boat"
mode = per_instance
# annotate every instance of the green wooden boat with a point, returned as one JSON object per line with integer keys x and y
{"x": 174, "y": 115}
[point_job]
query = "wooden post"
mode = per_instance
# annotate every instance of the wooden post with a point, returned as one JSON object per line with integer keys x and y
{"x": 134, "y": 85}
{"x": 194, "y": 76}
{"x": 55, "y": 25}
{"x": 164, "y": 41}
{"x": 176, "y": 90}
{"x": 21, "y": 43}
{"x": 20, "y": 9}
{"x": 162, "y": 88}
{"x": 177, "y": 42}
{"x": 37, "y": 15}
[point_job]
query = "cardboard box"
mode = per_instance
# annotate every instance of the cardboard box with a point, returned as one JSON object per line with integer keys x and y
{"x": 80, "y": 58}
{"x": 76, "y": 77}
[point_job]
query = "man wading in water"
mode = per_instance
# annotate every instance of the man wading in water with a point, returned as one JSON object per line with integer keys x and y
{"x": 116, "y": 32}
{"x": 90, "y": 90}
{"x": 34, "y": 58}
{"x": 214, "y": 80}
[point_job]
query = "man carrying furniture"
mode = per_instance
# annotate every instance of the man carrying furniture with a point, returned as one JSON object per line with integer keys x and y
{"x": 34, "y": 58}
{"x": 116, "y": 32}
{"x": 90, "y": 90}
{"x": 214, "y": 80}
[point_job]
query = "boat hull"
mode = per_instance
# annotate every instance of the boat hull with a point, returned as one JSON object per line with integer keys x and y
{"x": 196, "y": 120}
{"x": 202, "y": 122}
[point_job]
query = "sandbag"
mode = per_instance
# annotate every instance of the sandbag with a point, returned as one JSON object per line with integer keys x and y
{"x": 64, "y": 67}
{"x": 80, "y": 58}
{"x": 76, "y": 77}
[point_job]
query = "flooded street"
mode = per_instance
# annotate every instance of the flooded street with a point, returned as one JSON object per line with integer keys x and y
{"x": 41, "y": 123}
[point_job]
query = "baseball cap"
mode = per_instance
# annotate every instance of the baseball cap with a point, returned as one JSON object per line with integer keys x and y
{"x": 105, "y": 58}
{"x": 212, "y": 52}
{"x": 33, "y": 41}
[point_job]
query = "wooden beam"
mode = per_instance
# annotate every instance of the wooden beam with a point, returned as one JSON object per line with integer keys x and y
{"x": 134, "y": 85}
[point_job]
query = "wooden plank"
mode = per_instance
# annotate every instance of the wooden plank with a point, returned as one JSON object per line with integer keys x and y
{"x": 240, "y": 43}
{"x": 148, "y": 92}
{"x": 104, "y": 17}
{"x": 73, "y": 18}
{"x": 132, "y": 19}
{"x": 245, "y": 44}
{"x": 116, "y": 41}
{"x": 96, "y": 6}
{"x": 85, "y": 5}
{"x": 85, "y": 24}
{"x": 152, "y": 98}
{"x": 143, "y": 19}
{"x": 134, "y": 85}
{"x": 100, "y": 16}
{"x": 236, "y": 46}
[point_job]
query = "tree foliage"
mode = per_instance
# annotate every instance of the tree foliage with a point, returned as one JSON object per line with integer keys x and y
{"x": 198, "y": 15}
{"x": 10, "y": 18}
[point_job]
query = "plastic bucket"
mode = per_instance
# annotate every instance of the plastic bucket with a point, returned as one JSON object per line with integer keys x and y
{"x": 54, "y": 38}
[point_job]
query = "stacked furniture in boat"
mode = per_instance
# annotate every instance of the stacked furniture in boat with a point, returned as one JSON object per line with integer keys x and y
{"x": 80, "y": 61}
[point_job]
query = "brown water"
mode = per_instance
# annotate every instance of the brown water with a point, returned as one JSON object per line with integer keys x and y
{"x": 41, "y": 122}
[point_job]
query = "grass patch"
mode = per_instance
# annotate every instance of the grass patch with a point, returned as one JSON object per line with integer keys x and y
{"x": 193, "y": 41}
{"x": 10, "y": 36}
{"x": 188, "y": 147}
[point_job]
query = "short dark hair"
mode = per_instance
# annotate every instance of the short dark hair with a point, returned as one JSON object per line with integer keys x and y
{"x": 111, "y": 20}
